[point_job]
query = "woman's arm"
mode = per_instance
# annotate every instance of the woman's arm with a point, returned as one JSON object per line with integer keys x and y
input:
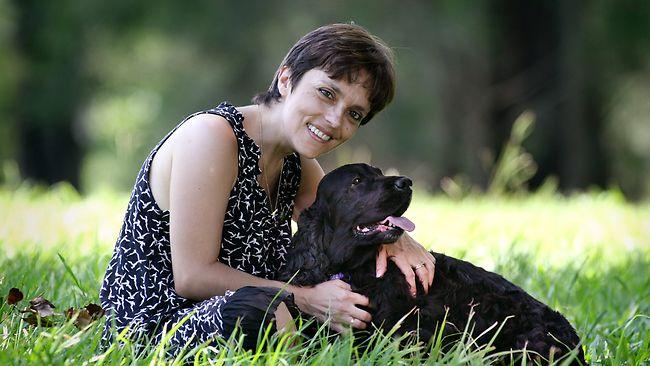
{"x": 311, "y": 174}
{"x": 203, "y": 172}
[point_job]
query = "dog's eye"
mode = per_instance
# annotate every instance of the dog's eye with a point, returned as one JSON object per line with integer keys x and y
{"x": 356, "y": 181}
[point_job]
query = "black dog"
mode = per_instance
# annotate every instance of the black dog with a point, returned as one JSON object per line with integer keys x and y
{"x": 356, "y": 210}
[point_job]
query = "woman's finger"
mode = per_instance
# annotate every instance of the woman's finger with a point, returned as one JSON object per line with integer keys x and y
{"x": 431, "y": 266}
{"x": 338, "y": 328}
{"x": 358, "y": 299}
{"x": 382, "y": 261}
{"x": 423, "y": 275}
{"x": 408, "y": 272}
{"x": 359, "y": 314}
{"x": 347, "y": 321}
{"x": 358, "y": 324}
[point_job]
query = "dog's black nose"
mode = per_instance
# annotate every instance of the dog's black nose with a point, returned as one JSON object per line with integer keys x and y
{"x": 403, "y": 183}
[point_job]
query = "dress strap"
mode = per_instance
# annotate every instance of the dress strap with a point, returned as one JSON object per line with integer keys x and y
{"x": 248, "y": 151}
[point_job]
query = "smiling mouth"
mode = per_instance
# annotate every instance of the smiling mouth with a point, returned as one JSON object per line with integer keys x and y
{"x": 390, "y": 223}
{"x": 320, "y": 134}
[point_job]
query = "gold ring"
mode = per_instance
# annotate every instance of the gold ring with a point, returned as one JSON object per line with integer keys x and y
{"x": 418, "y": 266}
{"x": 352, "y": 321}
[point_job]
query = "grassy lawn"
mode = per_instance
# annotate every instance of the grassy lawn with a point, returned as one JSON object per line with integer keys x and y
{"x": 587, "y": 256}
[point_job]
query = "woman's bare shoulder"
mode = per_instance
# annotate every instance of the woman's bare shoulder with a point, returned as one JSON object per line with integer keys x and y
{"x": 208, "y": 142}
{"x": 207, "y": 126}
{"x": 202, "y": 148}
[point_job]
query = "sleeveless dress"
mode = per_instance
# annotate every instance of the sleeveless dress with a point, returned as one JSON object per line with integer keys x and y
{"x": 138, "y": 288}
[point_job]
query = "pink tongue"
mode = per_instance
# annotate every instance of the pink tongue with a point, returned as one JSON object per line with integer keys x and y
{"x": 402, "y": 222}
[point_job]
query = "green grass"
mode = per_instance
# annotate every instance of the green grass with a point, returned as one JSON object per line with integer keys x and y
{"x": 587, "y": 256}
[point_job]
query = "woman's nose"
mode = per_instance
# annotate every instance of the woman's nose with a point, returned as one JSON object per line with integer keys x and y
{"x": 334, "y": 116}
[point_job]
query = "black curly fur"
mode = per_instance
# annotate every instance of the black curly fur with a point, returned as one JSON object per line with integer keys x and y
{"x": 326, "y": 243}
{"x": 308, "y": 253}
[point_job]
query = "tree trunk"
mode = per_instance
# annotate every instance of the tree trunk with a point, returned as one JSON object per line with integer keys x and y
{"x": 49, "y": 40}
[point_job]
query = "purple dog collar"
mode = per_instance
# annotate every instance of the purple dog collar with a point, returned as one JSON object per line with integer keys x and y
{"x": 338, "y": 276}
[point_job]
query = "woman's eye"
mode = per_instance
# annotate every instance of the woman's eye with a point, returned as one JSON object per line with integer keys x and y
{"x": 326, "y": 93}
{"x": 356, "y": 181}
{"x": 356, "y": 116}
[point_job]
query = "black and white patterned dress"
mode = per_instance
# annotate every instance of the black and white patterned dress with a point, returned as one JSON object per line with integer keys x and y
{"x": 138, "y": 288}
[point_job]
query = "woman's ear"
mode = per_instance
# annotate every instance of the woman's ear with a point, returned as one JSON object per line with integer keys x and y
{"x": 284, "y": 82}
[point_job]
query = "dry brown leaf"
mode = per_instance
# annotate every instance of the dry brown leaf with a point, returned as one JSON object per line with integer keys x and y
{"x": 95, "y": 311}
{"x": 14, "y": 296}
{"x": 85, "y": 316}
{"x": 83, "y": 319}
{"x": 41, "y": 306}
{"x": 39, "y": 312}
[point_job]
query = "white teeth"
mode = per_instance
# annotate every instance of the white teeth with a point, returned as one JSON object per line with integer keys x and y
{"x": 319, "y": 133}
{"x": 363, "y": 229}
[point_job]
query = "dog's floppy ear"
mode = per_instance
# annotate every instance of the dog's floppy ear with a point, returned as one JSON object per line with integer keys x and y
{"x": 310, "y": 242}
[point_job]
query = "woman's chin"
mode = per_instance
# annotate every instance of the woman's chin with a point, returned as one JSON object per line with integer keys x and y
{"x": 310, "y": 153}
{"x": 310, "y": 150}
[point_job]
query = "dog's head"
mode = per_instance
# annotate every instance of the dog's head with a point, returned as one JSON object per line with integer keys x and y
{"x": 362, "y": 202}
{"x": 357, "y": 209}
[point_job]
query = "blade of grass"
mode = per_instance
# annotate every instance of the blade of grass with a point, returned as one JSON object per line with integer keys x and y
{"x": 74, "y": 278}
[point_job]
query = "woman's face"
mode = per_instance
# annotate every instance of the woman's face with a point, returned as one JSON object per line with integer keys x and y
{"x": 321, "y": 113}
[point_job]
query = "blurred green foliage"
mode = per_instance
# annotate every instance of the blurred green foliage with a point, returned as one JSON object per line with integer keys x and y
{"x": 88, "y": 88}
{"x": 515, "y": 167}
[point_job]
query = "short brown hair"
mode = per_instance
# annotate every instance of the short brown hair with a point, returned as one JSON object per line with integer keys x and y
{"x": 341, "y": 50}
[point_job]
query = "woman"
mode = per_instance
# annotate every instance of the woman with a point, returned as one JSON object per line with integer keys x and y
{"x": 209, "y": 213}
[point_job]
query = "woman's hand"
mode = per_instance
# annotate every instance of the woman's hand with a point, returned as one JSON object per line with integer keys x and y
{"x": 411, "y": 258}
{"x": 336, "y": 301}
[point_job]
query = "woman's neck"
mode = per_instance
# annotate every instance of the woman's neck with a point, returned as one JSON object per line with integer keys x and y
{"x": 264, "y": 125}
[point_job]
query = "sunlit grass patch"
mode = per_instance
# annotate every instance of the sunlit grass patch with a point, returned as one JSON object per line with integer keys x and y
{"x": 47, "y": 221}
{"x": 556, "y": 230}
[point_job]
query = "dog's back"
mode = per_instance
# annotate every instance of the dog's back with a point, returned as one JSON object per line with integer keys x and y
{"x": 460, "y": 288}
